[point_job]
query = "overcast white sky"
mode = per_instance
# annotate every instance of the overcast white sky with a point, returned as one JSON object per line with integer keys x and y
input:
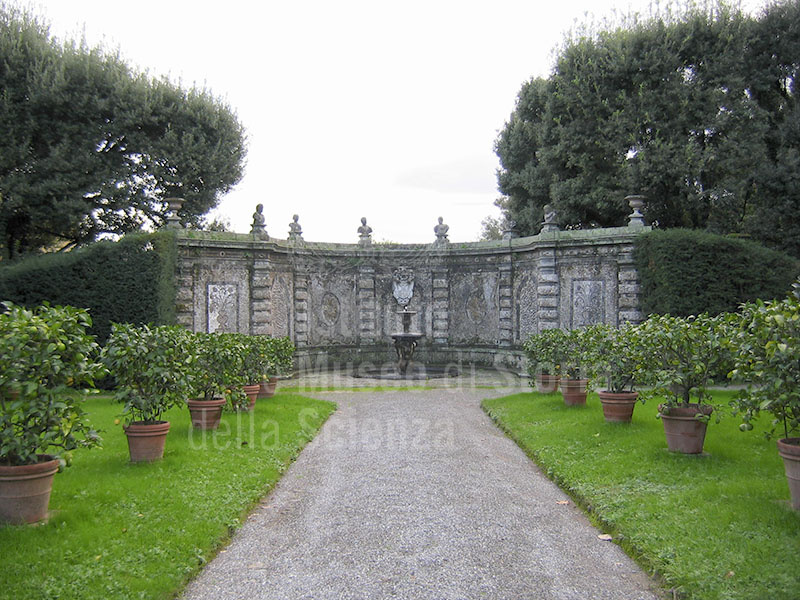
{"x": 386, "y": 110}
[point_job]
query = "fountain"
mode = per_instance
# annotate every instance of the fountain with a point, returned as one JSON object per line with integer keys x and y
{"x": 405, "y": 342}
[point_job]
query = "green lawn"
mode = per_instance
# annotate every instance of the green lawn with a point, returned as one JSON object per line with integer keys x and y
{"x": 712, "y": 526}
{"x": 119, "y": 530}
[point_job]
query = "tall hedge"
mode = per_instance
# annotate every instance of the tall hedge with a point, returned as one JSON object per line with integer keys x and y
{"x": 130, "y": 281}
{"x": 687, "y": 272}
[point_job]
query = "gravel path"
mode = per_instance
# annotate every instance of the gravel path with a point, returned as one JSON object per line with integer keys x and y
{"x": 417, "y": 495}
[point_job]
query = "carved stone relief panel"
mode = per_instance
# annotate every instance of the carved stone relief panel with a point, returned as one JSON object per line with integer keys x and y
{"x": 474, "y": 308}
{"x": 281, "y": 297}
{"x": 332, "y": 309}
{"x": 588, "y": 294}
{"x": 223, "y": 307}
{"x": 588, "y": 302}
{"x": 526, "y": 305}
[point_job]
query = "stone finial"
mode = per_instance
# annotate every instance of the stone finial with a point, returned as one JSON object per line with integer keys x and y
{"x": 441, "y": 230}
{"x": 258, "y": 228}
{"x": 636, "y": 218}
{"x": 174, "y": 205}
{"x": 295, "y": 231}
{"x": 549, "y": 224}
{"x": 364, "y": 233}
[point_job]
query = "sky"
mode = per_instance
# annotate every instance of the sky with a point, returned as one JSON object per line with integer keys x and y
{"x": 383, "y": 110}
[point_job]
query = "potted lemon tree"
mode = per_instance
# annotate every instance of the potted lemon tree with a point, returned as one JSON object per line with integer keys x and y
{"x": 768, "y": 356}
{"x": 681, "y": 357}
{"x": 574, "y": 367}
{"x": 154, "y": 369}
{"x": 217, "y": 378}
{"x": 544, "y": 351}
{"x": 48, "y": 361}
{"x": 615, "y": 354}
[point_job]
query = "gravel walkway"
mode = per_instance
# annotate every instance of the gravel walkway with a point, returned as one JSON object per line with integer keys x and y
{"x": 417, "y": 495}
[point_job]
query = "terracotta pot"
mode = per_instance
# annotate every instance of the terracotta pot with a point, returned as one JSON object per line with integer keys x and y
{"x": 618, "y": 407}
{"x": 146, "y": 440}
{"x": 251, "y": 391}
{"x": 25, "y": 491}
{"x": 684, "y": 432}
{"x": 267, "y": 388}
{"x": 205, "y": 414}
{"x": 574, "y": 391}
{"x": 546, "y": 384}
{"x": 789, "y": 449}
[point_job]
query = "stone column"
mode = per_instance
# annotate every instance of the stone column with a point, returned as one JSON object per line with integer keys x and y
{"x": 301, "y": 308}
{"x": 441, "y": 306}
{"x": 365, "y": 286}
{"x": 628, "y": 287}
{"x": 260, "y": 298}
{"x": 547, "y": 289}
{"x": 506, "y": 301}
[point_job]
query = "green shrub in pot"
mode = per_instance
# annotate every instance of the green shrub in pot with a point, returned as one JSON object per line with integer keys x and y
{"x": 154, "y": 368}
{"x": 48, "y": 362}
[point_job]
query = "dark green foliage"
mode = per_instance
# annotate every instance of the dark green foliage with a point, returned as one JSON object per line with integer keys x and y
{"x": 130, "y": 281}
{"x": 90, "y": 146}
{"x": 685, "y": 272}
{"x": 698, "y": 110}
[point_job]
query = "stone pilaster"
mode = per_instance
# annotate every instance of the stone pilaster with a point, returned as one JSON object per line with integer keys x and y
{"x": 441, "y": 306}
{"x": 628, "y": 287}
{"x": 301, "y": 309}
{"x": 365, "y": 298}
{"x": 506, "y": 301}
{"x": 547, "y": 290}
{"x": 260, "y": 299}
{"x": 184, "y": 297}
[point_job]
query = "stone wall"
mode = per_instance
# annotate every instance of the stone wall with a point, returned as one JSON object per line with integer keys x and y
{"x": 476, "y": 303}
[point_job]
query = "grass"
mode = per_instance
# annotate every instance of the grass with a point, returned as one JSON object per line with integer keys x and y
{"x": 122, "y": 530}
{"x": 714, "y": 526}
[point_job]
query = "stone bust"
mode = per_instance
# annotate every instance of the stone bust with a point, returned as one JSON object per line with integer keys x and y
{"x": 258, "y": 227}
{"x": 295, "y": 231}
{"x": 364, "y": 232}
{"x": 441, "y": 230}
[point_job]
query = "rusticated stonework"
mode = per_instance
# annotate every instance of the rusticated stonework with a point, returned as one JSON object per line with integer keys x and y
{"x": 474, "y": 303}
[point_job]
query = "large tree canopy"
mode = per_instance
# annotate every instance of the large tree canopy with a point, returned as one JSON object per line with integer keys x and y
{"x": 90, "y": 146}
{"x": 698, "y": 110}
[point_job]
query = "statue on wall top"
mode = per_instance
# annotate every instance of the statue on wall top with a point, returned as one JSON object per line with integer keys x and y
{"x": 403, "y": 285}
{"x": 364, "y": 233}
{"x": 441, "y": 230}
{"x": 258, "y": 228}
{"x": 549, "y": 224}
{"x": 295, "y": 231}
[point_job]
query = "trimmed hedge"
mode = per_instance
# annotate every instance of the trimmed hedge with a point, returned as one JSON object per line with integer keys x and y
{"x": 129, "y": 281}
{"x": 687, "y": 272}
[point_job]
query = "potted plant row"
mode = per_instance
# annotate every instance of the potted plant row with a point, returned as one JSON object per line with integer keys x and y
{"x": 557, "y": 357}
{"x": 48, "y": 361}
{"x": 676, "y": 358}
